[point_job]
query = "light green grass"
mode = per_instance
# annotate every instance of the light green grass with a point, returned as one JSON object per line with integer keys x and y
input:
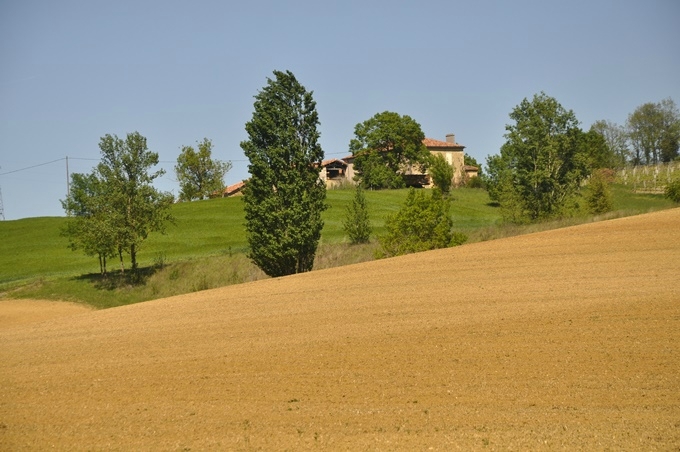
{"x": 206, "y": 246}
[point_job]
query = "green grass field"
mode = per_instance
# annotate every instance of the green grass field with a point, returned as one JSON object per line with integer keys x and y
{"x": 206, "y": 246}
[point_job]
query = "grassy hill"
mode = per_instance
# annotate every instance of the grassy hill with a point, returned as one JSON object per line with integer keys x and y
{"x": 205, "y": 247}
{"x": 33, "y": 247}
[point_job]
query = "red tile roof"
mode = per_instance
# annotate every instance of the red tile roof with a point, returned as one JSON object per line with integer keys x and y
{"x": 431, "y": 143}
{"x": 328, "y": 162}
{"x": 234, "y": 188}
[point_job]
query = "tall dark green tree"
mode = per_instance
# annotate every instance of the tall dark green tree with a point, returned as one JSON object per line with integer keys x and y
{"x": 541, "y": 164}
{"x": 385, "y": 147}
{"x": 199, "y": 175}
{"x": 284, "y": 197}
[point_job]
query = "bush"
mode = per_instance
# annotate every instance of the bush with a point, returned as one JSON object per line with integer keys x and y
{"x": 672, "y": 191}
{"x": 599, "y": 196}
{"x": 423, "y": 223}
{"x": 357, "y": 224}
{"x": 442, "y": 173}
{"x": 476, "y": 182}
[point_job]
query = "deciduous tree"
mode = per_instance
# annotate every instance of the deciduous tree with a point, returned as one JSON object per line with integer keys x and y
{"x": 91, "y": 224}
{"x": 616, "y": 140}
{"x": 542, "y": 162}
{"x": 198, "y": 174}
{"x": 654, "y": 131}
{"x": 388, "y": 140}
{"x": 115, "y": 207}
{"x": 284, "y": 197}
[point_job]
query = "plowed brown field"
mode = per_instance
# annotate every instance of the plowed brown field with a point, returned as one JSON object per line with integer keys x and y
{"x": 562, "y": 339}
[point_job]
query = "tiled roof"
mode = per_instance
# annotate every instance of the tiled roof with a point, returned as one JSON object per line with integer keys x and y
{"x": 233, "y": 188}
{"x": 328, "y": 162}
{"x": 431, "y": 143}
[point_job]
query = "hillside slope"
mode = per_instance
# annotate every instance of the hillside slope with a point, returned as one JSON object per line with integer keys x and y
{"x": 562, "y": 339}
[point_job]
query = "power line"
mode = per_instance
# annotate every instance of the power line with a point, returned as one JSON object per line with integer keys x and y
{"x": 31, "y": 167}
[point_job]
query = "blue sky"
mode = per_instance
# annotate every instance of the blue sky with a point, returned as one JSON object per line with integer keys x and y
{"x": 73, "y": 71}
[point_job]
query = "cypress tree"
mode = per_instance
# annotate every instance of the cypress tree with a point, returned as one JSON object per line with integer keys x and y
{"x": 284, "y": 197}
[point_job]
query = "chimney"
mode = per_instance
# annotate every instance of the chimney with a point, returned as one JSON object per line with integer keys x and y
{"x": 450, "y": 138}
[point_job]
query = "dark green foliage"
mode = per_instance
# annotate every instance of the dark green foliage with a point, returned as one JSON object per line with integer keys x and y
{"x": 595, "y": 150}
{"x": 599, "y": 194}
{"x": 116, "y": 207}
{"x": 476, "y": 182}
{"x": 284, "y": 197}
{"x": 357, "y": 224}
{"x": 423, "y": 223}
{"x": 385, "y": 147}
{"x": 672, "y": 191}
{"x": 654, "y": 131}
{"x": 374, "y": 173}
{"x": 198, "y": 174}
{"x": 616, "y": 142}
{"x": 541, "y": 164}
{"x": 441, "y": 173}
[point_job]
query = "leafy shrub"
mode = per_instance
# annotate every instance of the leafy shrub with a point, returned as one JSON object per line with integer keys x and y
{"x": 672, "y": 191}
{"x": 357, "y": 224}
{"x": 476, "y": 182}
{"x": 442, "y": 173}
{"x": 423, "y": 223}
{"x": 599, "y": 196}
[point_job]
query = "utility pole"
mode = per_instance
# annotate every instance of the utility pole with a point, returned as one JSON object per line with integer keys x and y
{"x": 68, "y": 183}
{"x": 2, "y": 208}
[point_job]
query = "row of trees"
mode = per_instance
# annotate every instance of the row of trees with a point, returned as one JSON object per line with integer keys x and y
{"x": 113, "y": 209}
{"x": 538, "y": 172}
{"x": 651, "y": 135}
{"x": 547, "y": 158}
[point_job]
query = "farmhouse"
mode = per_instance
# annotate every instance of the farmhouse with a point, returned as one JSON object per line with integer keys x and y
{"x": 336, "y": 172}
{"x": 454, "y": 153}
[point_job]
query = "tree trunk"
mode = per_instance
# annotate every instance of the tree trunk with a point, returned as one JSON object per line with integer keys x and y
{"x": 133, "y": 257}
{"x": 120, "y": 255}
